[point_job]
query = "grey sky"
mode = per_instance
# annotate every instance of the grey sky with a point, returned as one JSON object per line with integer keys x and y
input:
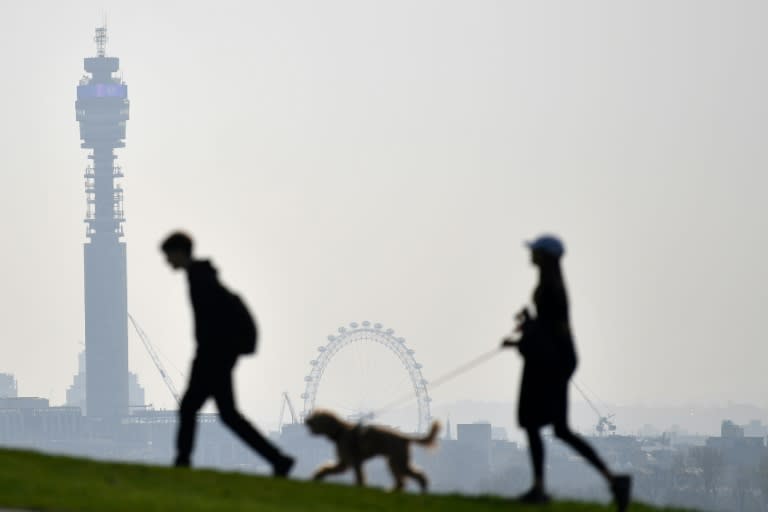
{"x": 345, "y": 161}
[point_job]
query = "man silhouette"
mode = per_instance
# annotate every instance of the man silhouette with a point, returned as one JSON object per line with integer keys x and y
{"x": 218, "y": 348}
{"x": 550, "y": 359}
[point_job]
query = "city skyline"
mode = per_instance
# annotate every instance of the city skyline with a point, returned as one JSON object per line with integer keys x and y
{"x": 394, "y": 180}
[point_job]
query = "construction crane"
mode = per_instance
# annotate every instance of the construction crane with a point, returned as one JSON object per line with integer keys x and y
{"x": 291, "y": 410}
{"x": 604, "y": 423}
{"x": 155, "y": 359}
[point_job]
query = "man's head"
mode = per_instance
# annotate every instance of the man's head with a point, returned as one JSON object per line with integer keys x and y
{"x": 178, "y": 250}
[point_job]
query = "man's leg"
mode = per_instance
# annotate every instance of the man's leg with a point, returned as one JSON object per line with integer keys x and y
{"x": 194, "y": 398}
{"x": 225, "y": 401}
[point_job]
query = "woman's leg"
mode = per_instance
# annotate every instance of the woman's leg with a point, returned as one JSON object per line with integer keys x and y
{"x": 536, "y": 450}
{"x": 621, "y": 485}
{"x": 564, "y": 433}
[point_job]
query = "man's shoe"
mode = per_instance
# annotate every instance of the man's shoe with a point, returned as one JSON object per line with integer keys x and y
{"x": 621, "y": 486}
{"x": 534, "y": 496}
{"x": 283, "y": 467}
{"x": 181, "y": 462}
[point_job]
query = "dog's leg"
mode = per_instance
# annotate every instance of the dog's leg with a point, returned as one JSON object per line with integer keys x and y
{"x": 396, "y": 468}
{"x": 419, "y": 476}
{"x": 329, "y": 469}
{"x": 359, "y": 475}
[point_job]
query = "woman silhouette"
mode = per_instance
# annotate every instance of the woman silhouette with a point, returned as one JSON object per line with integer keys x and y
{"x": 547, "y": 347}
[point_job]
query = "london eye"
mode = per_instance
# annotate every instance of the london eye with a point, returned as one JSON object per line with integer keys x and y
{"x": 361, "y": 368}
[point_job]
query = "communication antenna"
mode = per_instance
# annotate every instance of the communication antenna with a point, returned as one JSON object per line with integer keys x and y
{"x": 101, "y": 39}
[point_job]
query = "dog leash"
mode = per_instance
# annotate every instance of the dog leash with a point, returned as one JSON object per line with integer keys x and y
{"x": 439, "y": 381}
{"x": 452, "y": 375}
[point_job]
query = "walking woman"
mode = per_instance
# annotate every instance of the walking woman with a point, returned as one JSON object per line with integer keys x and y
{"x": 547, "y": 348}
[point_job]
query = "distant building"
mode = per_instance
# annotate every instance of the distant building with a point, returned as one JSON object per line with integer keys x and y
{"x": 24, "y": 403}
{"x": 76, "y": 391}
{"x": 465, "y": 463}
{"x": 475, "y": 440}
{"x": 755, "y": 428}
{"x": 101, "y": 110}
{"x": 7, "y": 386}
{"x": 478, "y": 434}
{"x": 31, "y": 422}
{"x": 736, "y": 448}
{"x": 499, "y": 434}
{"x": 135, "y": 392}
{"x": 730, "y": 430}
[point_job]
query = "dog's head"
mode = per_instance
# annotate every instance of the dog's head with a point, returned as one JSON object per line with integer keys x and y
{"x": 324, "y": 423}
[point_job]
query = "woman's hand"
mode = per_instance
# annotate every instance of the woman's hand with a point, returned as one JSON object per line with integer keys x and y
{"x": 509, "y": 343}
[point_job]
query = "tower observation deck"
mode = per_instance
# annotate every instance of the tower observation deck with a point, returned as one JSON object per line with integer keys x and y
{"x": 102, "y": 111}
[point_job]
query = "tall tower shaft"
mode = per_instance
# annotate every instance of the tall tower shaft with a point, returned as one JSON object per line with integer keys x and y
{"x": 102, "y": 111}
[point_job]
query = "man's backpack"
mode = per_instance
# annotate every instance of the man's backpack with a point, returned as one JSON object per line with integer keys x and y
{"x": 243, "y": 331}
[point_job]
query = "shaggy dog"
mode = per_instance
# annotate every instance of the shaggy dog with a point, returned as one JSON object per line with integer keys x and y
{"x": 357, "y": 443}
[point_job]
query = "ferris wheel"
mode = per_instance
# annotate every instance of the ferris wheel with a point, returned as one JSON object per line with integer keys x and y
{"x": 404, "y": 371}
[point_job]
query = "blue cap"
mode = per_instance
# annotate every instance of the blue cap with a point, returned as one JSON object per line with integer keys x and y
{"x": 549, "y": 244}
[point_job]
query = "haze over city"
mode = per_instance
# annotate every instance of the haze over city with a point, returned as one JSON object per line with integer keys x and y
{"x": 343, "y": 161}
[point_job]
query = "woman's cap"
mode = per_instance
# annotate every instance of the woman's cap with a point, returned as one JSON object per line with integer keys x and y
{"x": 549, "y": 244}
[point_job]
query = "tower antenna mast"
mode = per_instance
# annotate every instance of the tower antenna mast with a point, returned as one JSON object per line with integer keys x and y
{"x": 101, "y": 110}
{"x": 101, "y": 39}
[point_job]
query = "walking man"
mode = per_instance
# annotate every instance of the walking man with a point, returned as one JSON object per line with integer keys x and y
{"x": 547, "y": 347}
{"x": 224, "y": 330}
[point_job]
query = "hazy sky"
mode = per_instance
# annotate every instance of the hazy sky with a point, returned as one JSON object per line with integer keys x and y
{"x": 356, "y": 160}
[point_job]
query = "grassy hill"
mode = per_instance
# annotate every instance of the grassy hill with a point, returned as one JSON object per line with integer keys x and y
{"x": 40, "y": 482}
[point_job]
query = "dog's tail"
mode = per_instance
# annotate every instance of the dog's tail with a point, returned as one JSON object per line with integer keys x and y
{"x": 431, "y": 437}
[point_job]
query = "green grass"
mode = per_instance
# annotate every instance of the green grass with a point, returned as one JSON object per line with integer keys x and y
{"x": 34, "y": 481}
